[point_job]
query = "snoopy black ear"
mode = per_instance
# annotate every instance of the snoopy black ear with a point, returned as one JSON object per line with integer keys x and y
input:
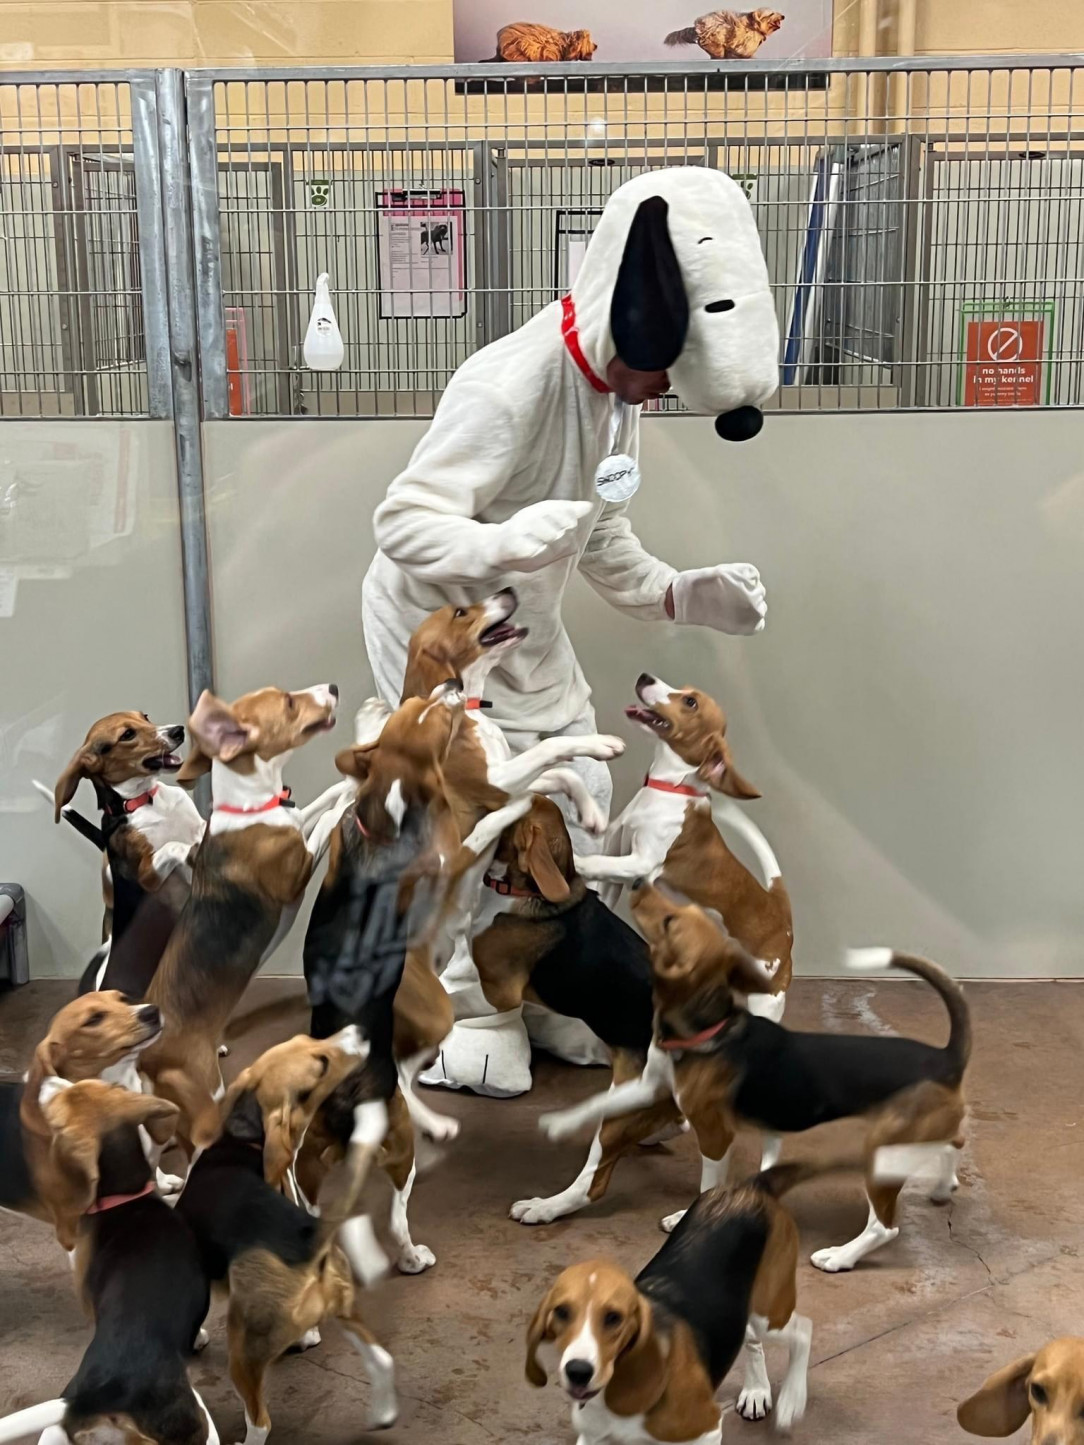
{"x": 649, "y": 313}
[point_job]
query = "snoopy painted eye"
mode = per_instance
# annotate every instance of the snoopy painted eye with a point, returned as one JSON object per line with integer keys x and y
{"x": 703, "y": 239}
{"x": 714, "y": 306}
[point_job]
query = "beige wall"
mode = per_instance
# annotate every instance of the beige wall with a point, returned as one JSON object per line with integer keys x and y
{"x": 912, "y": 714}
{"x": 91, "y": 527}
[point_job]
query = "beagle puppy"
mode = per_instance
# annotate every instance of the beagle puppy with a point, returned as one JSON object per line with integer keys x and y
{"x": 395, "y": 863}
{"x": 554, "y": 943}
{"x": 641, "y": 1359}
{"x": 1048, "y": 1386}
{"x": 251, "y": 871}
{"x": 280, "y": 1263}
{"x": 95, "y": 1033}
{"x": 139, "y": 1272}
{"x": 668, "y": 830}
{"x": 727, "y": 1069}
{"x": 147, "y": 832}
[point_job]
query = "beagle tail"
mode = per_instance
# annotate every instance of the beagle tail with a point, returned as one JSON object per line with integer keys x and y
{"x": 780, "y": 1179}
{"x": 26, "y": 1423}
{"x": 81, "y": 825}
{"x": 874, "y": 960}
{"x": 751, "y": 836}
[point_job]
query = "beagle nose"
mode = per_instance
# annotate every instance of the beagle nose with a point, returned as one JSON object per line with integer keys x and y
{"x": 176, "y": 734}
{"x": 644, "y": 680}
{"x": 150, "y": 1016}
{"x": 333, "y": 689}
{"x": 579, "y": 1373}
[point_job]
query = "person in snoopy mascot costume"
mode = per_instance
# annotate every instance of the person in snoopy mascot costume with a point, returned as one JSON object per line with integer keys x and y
{"x": 509, "y": 486}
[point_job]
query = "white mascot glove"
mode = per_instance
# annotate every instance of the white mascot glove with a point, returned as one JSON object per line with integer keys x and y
{"x": 729, "y": 597}
{"x": 538, "y": 535}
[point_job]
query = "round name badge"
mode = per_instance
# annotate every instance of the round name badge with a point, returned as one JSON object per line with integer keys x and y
{"x": 617, "y": 478}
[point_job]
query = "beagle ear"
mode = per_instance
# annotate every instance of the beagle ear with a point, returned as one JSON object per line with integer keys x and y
{"x": 536, "y": 1333}
{"x": 75, "y": 1151}
{"x": 356, "y": 762}
{"x": 85, "y": 762}
{"x": 195, "y": 765}
{"x": 218, "y": 732}
{"x": 279, "y": 1144}
{"x": 47, "y": 1057}
{"x": 159, "y": 1118}
{"x": 540, "y": 865}
{"x": 719, "y": 772}
{"x": 1001, "y": 1406}
{"x": 649, "y": 311}
{"x": 234, "y": 1092}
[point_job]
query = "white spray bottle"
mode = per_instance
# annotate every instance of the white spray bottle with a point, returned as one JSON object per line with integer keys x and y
{"x": 323, "y": 348}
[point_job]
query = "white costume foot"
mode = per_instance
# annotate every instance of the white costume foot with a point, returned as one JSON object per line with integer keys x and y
{"x": 490, "y": 1055}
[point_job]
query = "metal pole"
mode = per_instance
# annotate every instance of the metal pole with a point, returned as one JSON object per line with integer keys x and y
{"x": 152, "y": 252}
{"x": 173, "y": 152}
{"x": 203, "y": 162}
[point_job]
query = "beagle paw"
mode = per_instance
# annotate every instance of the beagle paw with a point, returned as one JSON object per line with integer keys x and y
{"x": 604, "y": 747}
{"x": 536, "y": 1211}
{"x": 592, "y": 818}
{"x": 755, "y": 1402}
{"x": 415, "y": 1259}
{"x": 201, "y": 1341}
{"x": 309, "y": 1340}
{"x": 440, "y": 1128}
{"x": 671, "y": 1221}
{"x": 791, "y": 1405}
{"x": 168, "y": 1183}
{"x": 561, "y": 1124}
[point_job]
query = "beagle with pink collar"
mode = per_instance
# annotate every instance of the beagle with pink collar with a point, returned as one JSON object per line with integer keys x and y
{"x": 251, "y": 871}
{"x": 668, "y": 831}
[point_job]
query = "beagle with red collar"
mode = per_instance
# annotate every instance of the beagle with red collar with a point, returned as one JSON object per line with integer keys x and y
{"x": 481, "y": 771}
{"x": 282, "y": 1265}
{"x": 668, "y": 830}
{"x": 641, "y": 1359}
{"x": 139, "y": 1272}
{"x": 727, "y": 1069}
{"x": 251, "y": 871}
{"x": 95, "y": 1033}
{"x": 147, "y": 832}
{"x": 1048, "y": 1386}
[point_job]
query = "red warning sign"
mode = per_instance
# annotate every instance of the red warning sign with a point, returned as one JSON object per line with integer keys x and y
{"x": 1004, "y": 363}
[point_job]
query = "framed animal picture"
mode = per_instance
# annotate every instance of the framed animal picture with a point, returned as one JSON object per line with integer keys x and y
{"x": 580, "y": 32}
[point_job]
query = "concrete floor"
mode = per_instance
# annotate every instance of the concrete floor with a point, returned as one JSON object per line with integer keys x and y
{"x": 896, "y": 1344}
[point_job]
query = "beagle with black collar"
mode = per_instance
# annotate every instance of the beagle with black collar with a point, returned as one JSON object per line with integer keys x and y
{"x": 147, "y": 832}
{"x": 139, "y": 1272}
{"x": 668, "y": 831}
{"x": 251, "y": 871}
{"x": 641, "y": 1359}
{"x": 727, "y": 1069}
{"x": 281, "y": 1264}
{"x": 395, "y": 864}
{"x": 1048, "y": 1386}
{"x": 95, "y": 1033}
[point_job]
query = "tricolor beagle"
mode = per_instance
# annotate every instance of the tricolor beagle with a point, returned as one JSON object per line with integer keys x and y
{"x": 147, "y": 832}
{"x": 139, "y": 1272}
{"x": 640, "y": 1360}
{"x": 727, "y": 1069}
{"x": 667, "y": 830}
{"x": 251, "y": 872}
{"x": 554, "y": 942}
{"x": 94, "y": 1033}
{"x": 283, "y": 1269}
{"x": 366, "y": 950}
{"x": 1048, "y": 1386}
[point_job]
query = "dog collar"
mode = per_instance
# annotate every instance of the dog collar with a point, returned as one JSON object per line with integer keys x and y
{"x": 473, "y": 703}
{"x": 571, "y": 339}
{"x": 503, "y": 887}
{"x": 660, "y": 785}
{"x": 129, "y": 805}
{"x": 114, "y": 1201}
{"x": 280, "y": 800}
{"x": 703, "y": 1037}
{"x": 362, "y": 829}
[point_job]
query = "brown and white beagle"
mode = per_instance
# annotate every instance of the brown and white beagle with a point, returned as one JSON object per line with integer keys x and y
{"x": 284, "y": 1271}
{"x": 94, "y": 1033}
{"x": 668, "y": 832}
{"x": 1048, "y": 1386}
{"x": 251, "y": 871}
{"x": 641, "y": 1359}
{"x": 728, "y": 1069}
{"x": 147, "y": 831}
{"x": 138, "y": 1271}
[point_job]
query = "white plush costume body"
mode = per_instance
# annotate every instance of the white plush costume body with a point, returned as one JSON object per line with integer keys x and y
{"x": 501, "y": 489}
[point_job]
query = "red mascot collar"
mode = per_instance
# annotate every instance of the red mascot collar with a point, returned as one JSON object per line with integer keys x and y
{"x": 572, "y": 344}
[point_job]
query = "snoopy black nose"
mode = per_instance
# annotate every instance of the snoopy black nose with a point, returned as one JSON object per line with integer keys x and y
{"x": 740, "y": 425}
